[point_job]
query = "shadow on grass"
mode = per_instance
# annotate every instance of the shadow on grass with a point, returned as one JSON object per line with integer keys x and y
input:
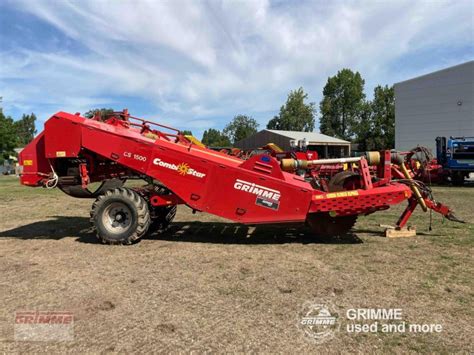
{"x": 194, "y": 232}
{"x": 57, "y": 228}
{"x": 232, "y": 233}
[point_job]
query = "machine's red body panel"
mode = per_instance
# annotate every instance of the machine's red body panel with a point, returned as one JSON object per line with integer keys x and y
{"x": 63, "y": 135}
{"x": 34, "y": 163}
{"x": 203, "y": 178}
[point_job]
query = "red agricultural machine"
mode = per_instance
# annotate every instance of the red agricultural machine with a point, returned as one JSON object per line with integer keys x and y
{"x": 73, "y": 152}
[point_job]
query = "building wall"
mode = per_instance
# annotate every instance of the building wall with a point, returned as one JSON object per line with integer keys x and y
{"x": 264, "y": 137}
{"x": 437, "y": 104}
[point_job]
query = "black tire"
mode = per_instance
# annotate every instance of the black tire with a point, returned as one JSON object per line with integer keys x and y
{"x": 120, "y": 216}
{"x": 457, "y": 178}
{"x": 323, "y": 225}
{"x": 161, "y": 217}
{"x": 343, "y": 181}
{"x": 78, "y": 192}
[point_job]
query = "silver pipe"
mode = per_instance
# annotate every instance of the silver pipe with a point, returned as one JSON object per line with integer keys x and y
{"x": 333, "y": 161}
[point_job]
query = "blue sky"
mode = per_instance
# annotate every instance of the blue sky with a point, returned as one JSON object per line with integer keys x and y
{"x": 196, "y": 64}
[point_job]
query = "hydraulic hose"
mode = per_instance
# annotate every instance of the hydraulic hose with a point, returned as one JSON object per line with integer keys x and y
{"x": 398, "y": 160}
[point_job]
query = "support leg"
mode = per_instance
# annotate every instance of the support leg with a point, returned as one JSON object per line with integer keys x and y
{"x": 402, "y": 221}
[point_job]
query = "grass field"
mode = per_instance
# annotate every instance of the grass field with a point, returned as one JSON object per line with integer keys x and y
{"x": 211, "y": 285}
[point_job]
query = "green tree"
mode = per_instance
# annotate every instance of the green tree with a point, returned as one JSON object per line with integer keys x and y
{"x": 364, "y": 127}
{"x": 376, "y": 126}
{"x": 240, "y": 127}
{"x": 103, "y": 112}
{"x": 383, "y": 109}
{"x": 295, "y": 115}
{"x": 214, "y": 138}
{"x": 187, "y": 132}
{"x": 25, "y": 129}
{"x": 8, "y": 137}
{"x": 343, "y": 98}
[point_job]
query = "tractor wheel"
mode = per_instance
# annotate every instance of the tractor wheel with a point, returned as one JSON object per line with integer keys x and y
{"x": 323, "y": 225}
{"x": 343, "y": 181}
{"x": 457, "y": 178}
{"x": 161, "y": 217}
{"x": 120, "y": 216}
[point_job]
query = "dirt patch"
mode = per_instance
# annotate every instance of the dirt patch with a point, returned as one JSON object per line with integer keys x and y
{"x": 211, "y": 285}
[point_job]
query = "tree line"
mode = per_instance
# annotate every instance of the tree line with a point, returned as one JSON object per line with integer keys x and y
{"x": 344, "y": 113}
{"x": 15, "y": 134}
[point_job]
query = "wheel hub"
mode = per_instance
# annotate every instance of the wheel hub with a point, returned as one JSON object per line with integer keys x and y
{"x": 117, "y": 217}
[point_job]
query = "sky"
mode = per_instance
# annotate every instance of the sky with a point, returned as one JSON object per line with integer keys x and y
{"x": 196, "y": 64}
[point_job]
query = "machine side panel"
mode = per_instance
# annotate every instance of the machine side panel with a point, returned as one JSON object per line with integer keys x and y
{"x": 124, "y": 149}
{"x": 228, "y": 190}
{"x": 35, "y": 165}
{"x": 187, "y": 175}
{"x": 63, "y": 136}
{"x": 249, "y": 197}
{"x": 206, "y": 182}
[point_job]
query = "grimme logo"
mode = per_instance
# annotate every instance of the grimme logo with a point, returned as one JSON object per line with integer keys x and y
{"x": 182, "y": 169}
{"x": 258, "y": 190}
{"x": 318, "y": 321}
{"x": 44, "y": 326}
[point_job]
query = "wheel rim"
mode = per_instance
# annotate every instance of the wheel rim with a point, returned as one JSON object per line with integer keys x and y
{"x": 117, "y": 217}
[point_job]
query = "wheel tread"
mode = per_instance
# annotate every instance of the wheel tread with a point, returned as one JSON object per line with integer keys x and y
{"x": 143, "y": 215}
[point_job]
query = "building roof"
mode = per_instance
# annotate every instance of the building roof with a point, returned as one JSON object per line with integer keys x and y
{"x": 310, "y": 136}
{"x": 427, "y": 75}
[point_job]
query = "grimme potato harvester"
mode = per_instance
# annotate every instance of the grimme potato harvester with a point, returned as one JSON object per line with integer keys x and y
{"x": 73, "y": 152}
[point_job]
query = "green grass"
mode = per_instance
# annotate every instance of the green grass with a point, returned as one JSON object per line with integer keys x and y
{"x": 10, "y": 188}
{"x": 444, "y": 232}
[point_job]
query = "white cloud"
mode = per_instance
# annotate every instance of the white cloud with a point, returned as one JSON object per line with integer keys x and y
{"x": 208, "y": 59}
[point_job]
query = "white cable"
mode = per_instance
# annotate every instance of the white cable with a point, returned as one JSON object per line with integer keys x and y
{"x": 51, "y": 183}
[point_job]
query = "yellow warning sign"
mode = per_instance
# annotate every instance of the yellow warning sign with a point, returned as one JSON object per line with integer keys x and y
{"x": 27, "y": 162}
{"x": 60, "y": 153}
{"x": 337, "y": 194}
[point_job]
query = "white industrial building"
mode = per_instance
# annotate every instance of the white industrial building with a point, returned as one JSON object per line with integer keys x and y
{"x": 326, "y": 146}
{"x": 435, "y": 104}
